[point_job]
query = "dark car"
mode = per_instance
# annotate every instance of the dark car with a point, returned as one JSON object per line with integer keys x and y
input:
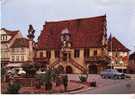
{"x": 112, "y": 73}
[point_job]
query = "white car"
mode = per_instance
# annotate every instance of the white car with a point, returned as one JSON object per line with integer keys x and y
{"x": 112, "y": 73}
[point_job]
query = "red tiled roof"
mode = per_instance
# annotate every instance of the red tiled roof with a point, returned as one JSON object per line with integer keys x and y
{"x": 86, "y": 32}
{"x": 116, "y": 45}
{"x": 20, "y": 42}
{"x": 10, "y": 33}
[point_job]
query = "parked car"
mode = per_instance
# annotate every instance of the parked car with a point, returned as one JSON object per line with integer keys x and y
{"x": 112, "y": 73}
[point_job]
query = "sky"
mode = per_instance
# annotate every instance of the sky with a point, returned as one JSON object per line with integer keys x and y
{"x": 18, "y": 14}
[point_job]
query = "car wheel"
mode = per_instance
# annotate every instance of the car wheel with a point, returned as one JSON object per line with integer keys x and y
{"x": 115, "y": 77}
{"x": 122, "y": 77}
{"x": 118, "y": 77}
{"x": 109, "y": 77}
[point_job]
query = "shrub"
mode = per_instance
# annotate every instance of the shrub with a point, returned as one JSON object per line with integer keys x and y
{"x": 47, "y": 79}
{"x": 82, "y": 79}
{"x": 30, "y": 69}
{"x": 14, "y": 88}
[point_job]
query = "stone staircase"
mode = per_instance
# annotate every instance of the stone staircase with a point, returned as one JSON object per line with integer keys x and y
{"x": 80, "y": 67}
{"x": 71, "y": 61}
{"x": 55, "y": 63}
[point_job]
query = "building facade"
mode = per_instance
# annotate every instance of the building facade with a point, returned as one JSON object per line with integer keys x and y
{"x": 19, "y": 51}
{"x": 71, "y": 46}
{"x": 74, "y": 46}
{"x": 131, "y": 65}
{"x": 22, "y": 50}
{"x": 7, "y": 38}
{"x": 118, "y": 54}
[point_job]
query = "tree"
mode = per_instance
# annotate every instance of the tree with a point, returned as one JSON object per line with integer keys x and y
{"x": 47, "y": 79}
{"x": 30, "y": 69}
{"x": 83, "y": 78}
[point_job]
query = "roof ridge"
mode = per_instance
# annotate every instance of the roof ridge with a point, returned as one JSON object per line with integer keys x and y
{"x": 117, "y": 45}
{"x": 20, "y": 42}
{"x": 22, "y": 38}
{"x": 118, "y": 41}
{"x": 12, "y": 31}
{"x": 82, "y": 31}
{"x": 75, "y": 19}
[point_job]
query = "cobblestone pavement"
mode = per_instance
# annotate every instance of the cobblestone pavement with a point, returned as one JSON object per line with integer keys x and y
{"x": 104, "y": 86}
{"x": 72, "y": 86}
{"x": 109, "y": 86}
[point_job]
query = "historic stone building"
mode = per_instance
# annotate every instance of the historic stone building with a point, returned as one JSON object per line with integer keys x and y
{"x": 118, "y": 54}
{"x": 7, "y": 38}
{"x": 71, "y": 46}
{"x": 74, "y": 46}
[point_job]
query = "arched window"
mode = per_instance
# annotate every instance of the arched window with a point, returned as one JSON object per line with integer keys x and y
{"x": 69, "y": 70}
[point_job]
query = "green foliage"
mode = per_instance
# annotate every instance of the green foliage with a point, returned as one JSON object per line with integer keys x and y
{"x": 30, "y": 69}
{"x": 47, "y": 79}
{"x": 83, "y": 78}
{"x": 14, "y": 88}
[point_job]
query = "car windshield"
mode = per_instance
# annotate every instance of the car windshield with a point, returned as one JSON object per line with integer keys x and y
{"x": 111, "y": 70}
{"x": 114, "y": 70}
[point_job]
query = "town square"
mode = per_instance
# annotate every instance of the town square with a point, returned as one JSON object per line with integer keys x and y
{"x": 65, "y": 52}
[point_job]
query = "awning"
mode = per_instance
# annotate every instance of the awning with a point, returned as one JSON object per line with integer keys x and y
{"x": 14, "y": 65}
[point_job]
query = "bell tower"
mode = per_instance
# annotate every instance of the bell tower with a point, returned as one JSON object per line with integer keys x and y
{"x": 31, "y": 36}
{"x": 65, "y": 44}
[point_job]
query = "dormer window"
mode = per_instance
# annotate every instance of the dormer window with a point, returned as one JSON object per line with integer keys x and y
{"x": 65, "y": 31}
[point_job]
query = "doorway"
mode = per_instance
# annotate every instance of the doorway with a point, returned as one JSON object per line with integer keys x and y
{"x": 69, "y": 70}
{"x": 92, "y": 69}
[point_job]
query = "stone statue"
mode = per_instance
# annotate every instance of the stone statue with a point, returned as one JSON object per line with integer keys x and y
{"x": 31, "y": 30}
